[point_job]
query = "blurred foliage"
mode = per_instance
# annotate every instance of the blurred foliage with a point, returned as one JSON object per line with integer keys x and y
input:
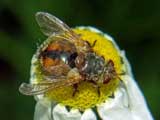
{"x": 133, "y": 23}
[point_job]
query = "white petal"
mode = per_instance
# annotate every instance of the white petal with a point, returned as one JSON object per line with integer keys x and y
{"x": 128, "y": 104}
{"x": 61, "y": 113}
{"x": 88, "y": 115}
{"x": 115, "y": 109}
{"x": 42, "y": 110}
{"x": 116, "y": 113}
{"x": 137, "y": 102}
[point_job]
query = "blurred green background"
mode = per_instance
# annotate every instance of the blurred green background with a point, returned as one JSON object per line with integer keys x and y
{"x": 135, "y": 24}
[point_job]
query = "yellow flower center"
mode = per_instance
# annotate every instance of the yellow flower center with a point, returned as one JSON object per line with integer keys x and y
{"x": 87, "y": 95}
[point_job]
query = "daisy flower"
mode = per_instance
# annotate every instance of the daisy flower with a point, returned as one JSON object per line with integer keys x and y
{"x": 81, "y": 74}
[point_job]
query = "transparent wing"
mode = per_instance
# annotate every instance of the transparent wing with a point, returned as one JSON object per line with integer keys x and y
{"x": 34, "y": 89}
{"x": 50, "y": 24}
{"x": 42, "y": 87}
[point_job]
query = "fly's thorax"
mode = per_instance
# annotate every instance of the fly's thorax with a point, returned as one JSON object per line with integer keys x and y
{"x": 90, "y": 65}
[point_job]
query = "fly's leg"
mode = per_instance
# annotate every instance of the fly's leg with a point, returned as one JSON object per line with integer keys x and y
{"x": 75, "y": 89}
{"x": 94, "y": 43}
{"x": 122, "y": 73}
{"x": 96, "y": 86}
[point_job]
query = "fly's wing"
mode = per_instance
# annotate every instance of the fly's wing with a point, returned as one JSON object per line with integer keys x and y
{"x": 51, "y": 83}
{"x": 34, "y": 89}
{"x": 42, "y": 87}
{"x": 55, "y": 28}
{"x": 50, "y": 24}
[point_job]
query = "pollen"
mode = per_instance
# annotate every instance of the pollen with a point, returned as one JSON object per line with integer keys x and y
{"x": 87, "y": 95}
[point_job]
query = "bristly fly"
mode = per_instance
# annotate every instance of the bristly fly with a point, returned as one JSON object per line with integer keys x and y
{"x": 67, "y": 60}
